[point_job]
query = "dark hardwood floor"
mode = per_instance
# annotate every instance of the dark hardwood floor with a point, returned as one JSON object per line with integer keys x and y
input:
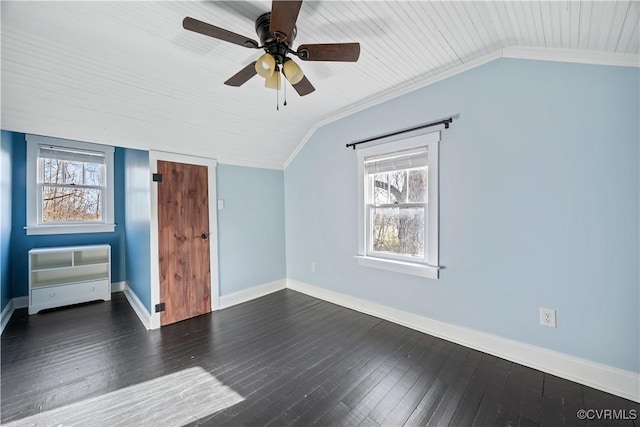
{"x": 284, "y": 359}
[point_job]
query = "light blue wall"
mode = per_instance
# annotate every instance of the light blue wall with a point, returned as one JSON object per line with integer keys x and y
{"x": 539, "y": 206}
{"x": 21, "y": 243}
{"x": 5, "y": 218}
{"x": 137, "y": 220}
{"x": 250, "y": 227}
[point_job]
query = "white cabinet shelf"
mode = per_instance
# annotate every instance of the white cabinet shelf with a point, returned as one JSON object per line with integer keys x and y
{"x": 68, "y": 275}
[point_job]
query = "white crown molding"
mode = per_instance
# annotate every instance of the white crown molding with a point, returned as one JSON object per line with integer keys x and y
{"x": 514, "y": 52}
{"x": 252, "y": 293}
{"x": 250, "y": 164}
{"x": 602, "y": 377}
{"x": 571, "y": 55}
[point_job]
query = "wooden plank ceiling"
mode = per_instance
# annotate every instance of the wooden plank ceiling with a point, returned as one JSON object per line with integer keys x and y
{"x": 127, "y": 74}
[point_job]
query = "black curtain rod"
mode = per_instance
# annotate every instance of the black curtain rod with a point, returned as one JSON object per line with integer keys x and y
{"x": 444, "y": 122}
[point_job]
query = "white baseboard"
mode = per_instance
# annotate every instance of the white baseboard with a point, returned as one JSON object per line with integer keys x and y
{"x": 138, "y": 307}
{"x": 153, "y": 322}
{"x": 602, "y": 377}
{"x": 20, "y": 302}
{"x": 6, "y": 314}
{"x": 118, "y": 286}
{"x": 252, "y": 293}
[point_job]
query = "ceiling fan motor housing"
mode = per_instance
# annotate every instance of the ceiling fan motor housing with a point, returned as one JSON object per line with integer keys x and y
{"x": 278, "y": 49}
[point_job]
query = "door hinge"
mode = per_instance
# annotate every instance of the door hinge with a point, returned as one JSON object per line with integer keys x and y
{"x": 159, "y": 307}
{"x": 157, "y": 177}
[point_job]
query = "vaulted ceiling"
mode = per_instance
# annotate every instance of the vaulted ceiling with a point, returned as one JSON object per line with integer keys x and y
{"x": 128, "y": 74}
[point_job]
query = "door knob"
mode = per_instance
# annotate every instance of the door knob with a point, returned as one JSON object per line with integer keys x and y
{"x": 204, "y": 236}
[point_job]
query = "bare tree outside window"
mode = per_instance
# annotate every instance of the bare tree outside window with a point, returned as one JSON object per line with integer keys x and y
{"x": 398, "y": 212}
{"x": 72, "y": 191}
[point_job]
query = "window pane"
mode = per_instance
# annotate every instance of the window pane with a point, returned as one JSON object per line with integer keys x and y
{"x": 418, "y": 185}
{"x": 398, "y": 186}
{"x": 380, "y": 188}
{"x": 71, "y": 204}
{"x": 55, "y": 171}
{"x": 93, "y": 174}
{"x": 73, "y": 173}
{"x": 398, "y": 230}
{"x": 52, "y": 171}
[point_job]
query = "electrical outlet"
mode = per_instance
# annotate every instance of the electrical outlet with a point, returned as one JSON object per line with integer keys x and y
{"x": 313, "y": 267}
{"x": 548, "y": 317}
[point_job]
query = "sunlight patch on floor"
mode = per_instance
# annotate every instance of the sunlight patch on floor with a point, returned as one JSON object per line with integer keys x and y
{"x": 171, "y": 400}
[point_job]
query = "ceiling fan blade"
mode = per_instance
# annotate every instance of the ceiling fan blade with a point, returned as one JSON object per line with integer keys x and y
{"x": 284, "y": 14}
{"x": 304, "y": 87}
{"x": 242, "y": 76}
{"x": 342, "y": 52}
{"x": 200, "y": 27}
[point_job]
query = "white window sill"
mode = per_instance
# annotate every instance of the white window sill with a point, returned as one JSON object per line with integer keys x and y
{"x": 70, "y": 229}
{"x": 428, "y": 271}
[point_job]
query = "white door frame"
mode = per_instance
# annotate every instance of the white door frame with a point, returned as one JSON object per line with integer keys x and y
{"x": 154, "y": 156}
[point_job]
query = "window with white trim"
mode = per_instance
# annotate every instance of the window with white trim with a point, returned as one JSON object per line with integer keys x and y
{"x": 398, "y": 188}
{"x": 69, "y": 186}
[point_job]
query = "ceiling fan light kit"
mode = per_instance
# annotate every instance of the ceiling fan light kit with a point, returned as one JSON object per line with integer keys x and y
{"x": 277, "y": 31}
{"x": 292, "y": 71}
{"x": 273, "y": 81}
{"x": 265, "y": 65}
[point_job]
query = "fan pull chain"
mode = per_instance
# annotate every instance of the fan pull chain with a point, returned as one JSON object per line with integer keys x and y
{"x": 285, "y": 94}
{"x": 277, "y": 96}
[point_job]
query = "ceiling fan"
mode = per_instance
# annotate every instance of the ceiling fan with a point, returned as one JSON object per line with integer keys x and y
{"x": 276, "y": 31}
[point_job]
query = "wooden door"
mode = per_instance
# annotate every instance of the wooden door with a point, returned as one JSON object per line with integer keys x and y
{"x": 183, "y": 241}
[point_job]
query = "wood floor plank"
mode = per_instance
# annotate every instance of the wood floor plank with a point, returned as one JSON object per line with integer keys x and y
{"x": 456, "y": 389}
{"x": 509, "y": 406}
{"x": 388, "y": 392}
{"x": 335, "y": 416}
{"x": 564, "y": 397}
{"x": 552, "y": 413}
{"x": 346, "y": 374}
{"x": 308, "y": 411}
{"x": 372, "y": 381}
{"x": 530, "y": 402}
{"x": 364, "y": 401}
{"x": 598, "y": 401}
{"x": 300, "y": 378}
{"x": 470, "y": 402}
{"x": 426, "y": 389}
{"x": 492, "y": 398}
{"x": 283, "y": 359}
{"x": 435, "y": 394}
